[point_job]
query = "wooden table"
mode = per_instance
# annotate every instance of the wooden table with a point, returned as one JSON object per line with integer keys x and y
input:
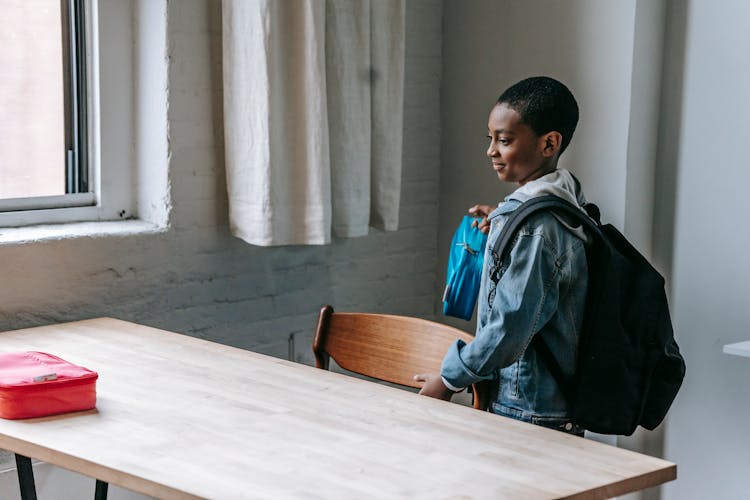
{"x": 179, "y": 417}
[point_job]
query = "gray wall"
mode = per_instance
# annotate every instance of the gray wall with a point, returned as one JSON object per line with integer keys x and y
{"x": 707, "y": 433}
{"x": 197, "y": 279}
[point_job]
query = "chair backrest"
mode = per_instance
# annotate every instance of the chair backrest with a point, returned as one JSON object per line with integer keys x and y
{"x": 387, "y": 347}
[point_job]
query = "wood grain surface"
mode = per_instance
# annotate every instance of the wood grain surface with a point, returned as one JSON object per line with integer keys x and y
{"x": 179, "y": 417}
{"x": 388, "y": 347}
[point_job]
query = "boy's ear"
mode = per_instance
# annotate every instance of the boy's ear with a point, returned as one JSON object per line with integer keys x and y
{"x": 551, "y": 143}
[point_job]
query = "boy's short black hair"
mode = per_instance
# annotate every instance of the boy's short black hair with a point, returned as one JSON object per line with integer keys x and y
{"x": 544, "y": 104}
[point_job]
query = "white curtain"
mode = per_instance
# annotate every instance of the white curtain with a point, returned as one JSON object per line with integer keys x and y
{"x": 313, "y": 117}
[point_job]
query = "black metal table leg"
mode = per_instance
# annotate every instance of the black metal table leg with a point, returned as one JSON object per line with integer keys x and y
{"x": 28, "y": 488}
{"x": 25, "y": 477}
{"x": 101, "y": 490}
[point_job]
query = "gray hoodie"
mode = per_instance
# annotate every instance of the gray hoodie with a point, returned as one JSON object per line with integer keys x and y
{"x": 560, "y": 183}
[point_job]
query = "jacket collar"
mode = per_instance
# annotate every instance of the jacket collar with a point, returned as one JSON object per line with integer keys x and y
{"x": 505, "y": 207}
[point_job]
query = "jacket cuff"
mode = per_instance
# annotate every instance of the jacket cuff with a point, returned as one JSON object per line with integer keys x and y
{"x": 454, "y": 372}
{"x": 451, "y": 386}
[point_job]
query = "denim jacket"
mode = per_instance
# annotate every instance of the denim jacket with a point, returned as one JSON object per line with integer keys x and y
{"x": 538, "y": 289}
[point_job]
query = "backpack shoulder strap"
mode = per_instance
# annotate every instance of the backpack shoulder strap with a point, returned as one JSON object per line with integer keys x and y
{"x": 515, "y": 219}
{"x": 534, "y": 205}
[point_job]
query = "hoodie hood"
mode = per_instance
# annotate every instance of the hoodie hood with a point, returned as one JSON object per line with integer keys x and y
{"x": 562, "y": 184}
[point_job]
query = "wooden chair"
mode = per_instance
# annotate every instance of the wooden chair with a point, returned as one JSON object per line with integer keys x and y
{"x": 387, "y": 347}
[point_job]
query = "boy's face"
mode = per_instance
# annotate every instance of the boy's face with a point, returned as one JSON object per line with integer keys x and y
{"x": 517, "y": 153}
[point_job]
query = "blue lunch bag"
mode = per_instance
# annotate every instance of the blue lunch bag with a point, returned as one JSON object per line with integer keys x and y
{"x": 465, "y": 261}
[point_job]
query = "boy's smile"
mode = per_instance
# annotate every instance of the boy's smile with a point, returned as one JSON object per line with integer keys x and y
{"x": 517, "y": 153}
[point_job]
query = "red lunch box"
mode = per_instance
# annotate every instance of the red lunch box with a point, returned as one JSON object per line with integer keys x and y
{"x": 37, "y": 384}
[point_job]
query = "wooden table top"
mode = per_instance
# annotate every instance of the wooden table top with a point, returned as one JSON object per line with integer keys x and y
{"x": 179, "y": 417}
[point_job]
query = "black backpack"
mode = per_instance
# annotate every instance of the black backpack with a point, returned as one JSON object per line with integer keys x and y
{"x": 629, "y": 366}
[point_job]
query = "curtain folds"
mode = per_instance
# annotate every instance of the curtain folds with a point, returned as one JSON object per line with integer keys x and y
{"x": 313, "y": 117}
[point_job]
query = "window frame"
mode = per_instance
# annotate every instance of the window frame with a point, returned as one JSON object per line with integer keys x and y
{"x": 102, "y": 141}
{"x": 75, "y": 41}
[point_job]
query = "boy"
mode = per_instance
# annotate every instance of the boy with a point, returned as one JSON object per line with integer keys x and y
{"x": 540, "y": 287}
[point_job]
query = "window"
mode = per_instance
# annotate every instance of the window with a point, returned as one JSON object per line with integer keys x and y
{"x": 44, "y": 133}
{"x": 102, "y": 68}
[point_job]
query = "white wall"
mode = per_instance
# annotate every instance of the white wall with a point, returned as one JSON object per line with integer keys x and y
{"x": 197, "y": 279}
{"x": 708, "y": 428}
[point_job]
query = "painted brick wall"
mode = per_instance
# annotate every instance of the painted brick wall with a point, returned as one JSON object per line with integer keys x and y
{"x": 196, "y": 278}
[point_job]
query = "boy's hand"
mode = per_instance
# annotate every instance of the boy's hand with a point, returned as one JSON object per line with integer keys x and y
{"x": 481, "y": 212}
{"x": 433, "y": 386}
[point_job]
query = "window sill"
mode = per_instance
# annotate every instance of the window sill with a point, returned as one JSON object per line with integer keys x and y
{"x": 55, "y": 232}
